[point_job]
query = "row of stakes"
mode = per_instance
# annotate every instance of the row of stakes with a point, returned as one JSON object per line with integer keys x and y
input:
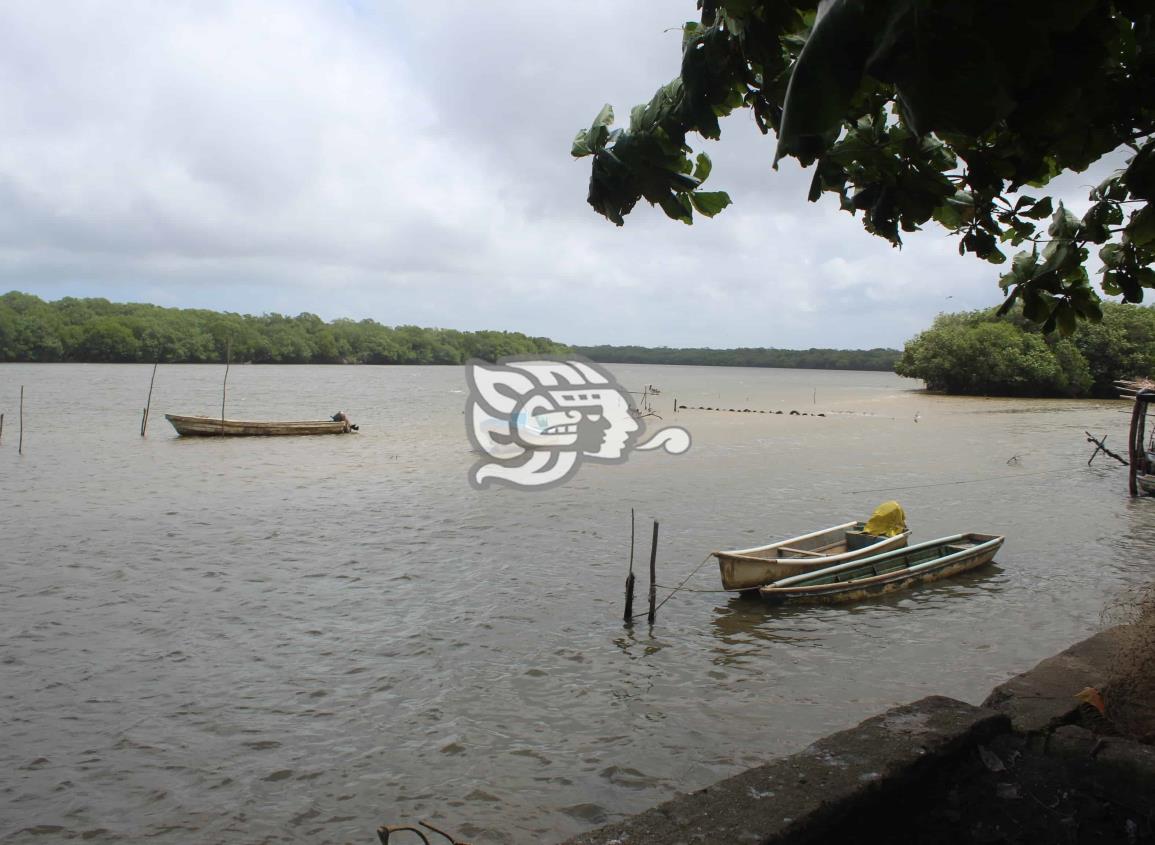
{"x": 747, "y": 411}
{"x": 651, "y": 615}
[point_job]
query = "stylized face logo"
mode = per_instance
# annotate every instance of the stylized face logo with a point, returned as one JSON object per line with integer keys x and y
{"x": 537, "y": 419}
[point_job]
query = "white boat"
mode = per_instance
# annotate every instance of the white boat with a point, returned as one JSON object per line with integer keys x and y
{"x": 749, "y": 569}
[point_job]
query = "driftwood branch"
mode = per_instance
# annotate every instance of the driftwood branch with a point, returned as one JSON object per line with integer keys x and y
{"x": 386, "y": 830}
{"x": 1100, "y": 447}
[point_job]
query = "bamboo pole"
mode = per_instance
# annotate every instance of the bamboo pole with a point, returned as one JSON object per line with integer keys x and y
{"x": 653, "y": 577}
{"x": 20, "y": 448}
{"x": 629, "y": 614}
{"x": 148, "y": 404}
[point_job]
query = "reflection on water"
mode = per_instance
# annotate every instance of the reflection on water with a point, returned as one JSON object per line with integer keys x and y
{"x": 302, "y": 638}
{"x": 745, "y": 619}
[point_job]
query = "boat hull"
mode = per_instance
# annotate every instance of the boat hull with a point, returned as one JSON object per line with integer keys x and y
{"x": 748, "y": 569}
{"x": 217, "y": 427}
{"x": 886, "y": 573}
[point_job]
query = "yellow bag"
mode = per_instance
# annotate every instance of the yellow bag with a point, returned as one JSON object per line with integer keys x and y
{"x": 888, "y": 520}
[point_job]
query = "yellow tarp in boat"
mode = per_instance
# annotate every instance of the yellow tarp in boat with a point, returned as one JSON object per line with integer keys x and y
{"x": 888, "y": 520}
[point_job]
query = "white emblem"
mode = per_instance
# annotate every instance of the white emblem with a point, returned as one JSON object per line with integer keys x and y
{"x": 536, "y": 420}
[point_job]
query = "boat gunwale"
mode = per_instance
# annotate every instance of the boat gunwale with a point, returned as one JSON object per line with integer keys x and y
{"x": 826, "y": 561}
{"x": 786, "y": 587}
{"x": 747, "y": 552}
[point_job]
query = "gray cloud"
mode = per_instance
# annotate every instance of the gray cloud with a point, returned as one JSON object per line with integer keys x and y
{"x": 409, "y": 162}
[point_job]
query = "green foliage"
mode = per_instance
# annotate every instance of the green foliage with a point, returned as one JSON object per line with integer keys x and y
{"x": 806, "y": 359}
{"x": 1003, "y": 353}
{"x": 98, "y": 330}
{"x": 913, "y": 111}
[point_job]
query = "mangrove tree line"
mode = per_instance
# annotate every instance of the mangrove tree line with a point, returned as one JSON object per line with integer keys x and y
{"x": 804, "y": 359}
{"x": 985, "y": 353}
{"x": 97, "y": 330}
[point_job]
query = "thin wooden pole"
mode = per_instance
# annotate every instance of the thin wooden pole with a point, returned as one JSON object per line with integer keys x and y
{"x": 20, "y": 448}
{"x": 1, "y": 426}
{"x": 225, "y": 386}
{"x": 148, "y": 404}
{"x": 653, "y": 577}
{"x": 630, "y": 578}
{"x": 1135, "y": 442}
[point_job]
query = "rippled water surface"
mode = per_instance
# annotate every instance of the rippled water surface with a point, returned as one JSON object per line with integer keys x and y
{"x": 298, "y": 639}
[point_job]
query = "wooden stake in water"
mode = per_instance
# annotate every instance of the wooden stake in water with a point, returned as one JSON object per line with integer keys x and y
{"x": 629, "y": 614}
{"x": 653, "y": 576}
{"x": 1, "y": 426}
{"x": 225, "y": 386}
{"x": 148, "y": 404}
{"x": 20, "y": 448}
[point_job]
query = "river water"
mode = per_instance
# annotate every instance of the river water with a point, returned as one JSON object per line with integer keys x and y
{"x": 299, "y": 639}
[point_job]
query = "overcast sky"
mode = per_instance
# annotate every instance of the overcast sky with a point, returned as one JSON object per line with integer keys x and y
{"x": 409, "y": 162}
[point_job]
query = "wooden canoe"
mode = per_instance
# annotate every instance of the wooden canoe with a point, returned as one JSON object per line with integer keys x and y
{"x": 749, "y": 569}
{"x": 886, "y": 572}
{"x": 218, "y": 427}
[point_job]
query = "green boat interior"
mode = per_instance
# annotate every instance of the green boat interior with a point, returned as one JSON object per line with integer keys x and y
{"x": 894, "y": 564}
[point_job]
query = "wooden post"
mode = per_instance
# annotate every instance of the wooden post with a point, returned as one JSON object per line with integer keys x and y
{"x": 225, "y": 386}
{"x": 20, "y": 448}
{"x": 629, "y": 614}
{"x": 1135, "y": 441}
{"x": 148, "y": 404}
{"x": 653, "y": 576}
{"x": 1, "y": 426}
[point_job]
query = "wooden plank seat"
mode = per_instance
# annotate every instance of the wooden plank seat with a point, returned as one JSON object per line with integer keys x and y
{"x": 800, "y": 551}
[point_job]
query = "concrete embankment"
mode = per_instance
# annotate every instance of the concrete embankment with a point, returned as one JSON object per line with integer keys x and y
{"x": 1018, "y": 768}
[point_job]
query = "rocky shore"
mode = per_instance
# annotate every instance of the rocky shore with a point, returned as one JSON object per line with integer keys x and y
{"x": 1028, "y": 765}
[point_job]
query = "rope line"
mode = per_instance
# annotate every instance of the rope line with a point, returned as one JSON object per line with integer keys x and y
{"x": 691, "y": 589}
{"x": 971, "y": 480}
{"x": 679, "y": 588}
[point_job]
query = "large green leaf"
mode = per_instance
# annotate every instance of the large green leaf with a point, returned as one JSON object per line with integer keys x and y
{"x": 825, "y": 77}
{"x": 590, "y": 141}
{"x": 709, "y": 203}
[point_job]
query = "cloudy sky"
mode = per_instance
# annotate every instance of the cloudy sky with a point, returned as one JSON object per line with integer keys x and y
{"x": 409, "y": 162}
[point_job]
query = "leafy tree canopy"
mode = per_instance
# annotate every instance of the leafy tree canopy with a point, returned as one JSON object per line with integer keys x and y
{"x": 917, "y": 110}
{"x": 993, "y": 354}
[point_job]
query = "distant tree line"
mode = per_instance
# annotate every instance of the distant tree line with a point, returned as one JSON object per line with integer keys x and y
{"x": 982, "y": 353}
{"x": 97, "y": 330}
{"x": 804, "y": 359}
